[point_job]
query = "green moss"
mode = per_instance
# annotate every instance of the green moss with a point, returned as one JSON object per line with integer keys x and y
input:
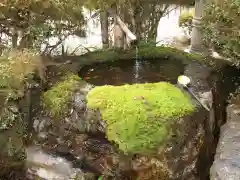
{"x": 139, "y": 116}
{"x": 150, "y": 52}
{"x": 57, "y": 99}
{"x": 100, "y": 55}
{"x": 170, "y": 53}
{"x": 157, "y": 53}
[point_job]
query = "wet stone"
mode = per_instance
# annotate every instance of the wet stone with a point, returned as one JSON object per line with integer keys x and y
{"x": 227, "y": 159}
{"x": 49, "y": 167}
{"x": 42, "y": 124}
{"x": 79, "y": 101}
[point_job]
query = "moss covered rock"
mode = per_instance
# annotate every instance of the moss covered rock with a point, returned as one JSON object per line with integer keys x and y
{"x": 159, "y": 124}
{"x": 139, "y": 117}
{"x": 66, "y": 100}
{"x": 58, "y": 98}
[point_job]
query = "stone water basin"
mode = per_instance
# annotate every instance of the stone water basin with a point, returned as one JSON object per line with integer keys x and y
{"x": 132, "y": 71}
{"x": 180, "y": 159}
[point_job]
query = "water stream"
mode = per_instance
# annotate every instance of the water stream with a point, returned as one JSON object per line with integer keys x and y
{"x": 137, "y": 67}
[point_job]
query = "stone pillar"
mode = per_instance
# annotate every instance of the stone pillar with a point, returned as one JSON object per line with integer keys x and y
{"x": 196, "y": 36}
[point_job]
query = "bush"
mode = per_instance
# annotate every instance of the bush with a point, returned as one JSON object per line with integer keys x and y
{"x": 139, "y": 116}
{"x": 185, "y": 21}
{"x": 16, "y": 68}
{"x": 221, "y": 28}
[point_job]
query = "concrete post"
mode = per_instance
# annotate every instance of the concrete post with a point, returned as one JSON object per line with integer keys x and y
{"x": 196, "y": 36}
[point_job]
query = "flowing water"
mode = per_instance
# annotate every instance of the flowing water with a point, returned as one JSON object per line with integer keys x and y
{"x": 137, "y": 66}
{"x": 47, "y": 166}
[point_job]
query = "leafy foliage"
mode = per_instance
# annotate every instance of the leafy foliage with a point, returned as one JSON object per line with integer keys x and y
{"x": 142, "y": 17}
{"x": 102, "y": 4}
{"x": 16, "y": 68}
{"x": 58, "y": 10}
{"x": 57, "y": 99}
{"x": 108, "y": 3}
{"x": 139, "y": 116}
{"x": 34, "y": 21}
{"x": 11, "y": 140}
{"x": 221, "y": 28}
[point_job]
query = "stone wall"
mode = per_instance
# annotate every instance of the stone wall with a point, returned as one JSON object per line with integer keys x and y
{"x": 227, "y": 159}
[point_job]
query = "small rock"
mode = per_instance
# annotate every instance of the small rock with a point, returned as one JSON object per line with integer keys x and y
{"x": 79, "y": 101}
{"x": 63, "y": 149}
{"x": 81, "y": 138}
{"x": 42, "y": 124}
{"x": 42, "y": 136}
{"x": 206, "y": 98}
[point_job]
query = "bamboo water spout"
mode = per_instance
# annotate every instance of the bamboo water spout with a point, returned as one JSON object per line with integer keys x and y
{"x": 132, "y": 38}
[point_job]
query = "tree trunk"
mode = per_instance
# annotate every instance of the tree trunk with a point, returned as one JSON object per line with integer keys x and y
{"x": 14, "y": 39}
{"x": 144, "y": 18}
{"x": 118, "y": 36}
{"x": 117, "y": 31}
{"x": 104, "y": 28}
{"x": 26, "y": 42}
{"x": 121, "y": 29}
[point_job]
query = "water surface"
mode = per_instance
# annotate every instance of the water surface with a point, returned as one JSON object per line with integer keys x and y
{"x": 132, "y": 71}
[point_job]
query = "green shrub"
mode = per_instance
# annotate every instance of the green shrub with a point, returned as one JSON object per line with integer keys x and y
{"x": 170, "y": 53}
{"x": 139, "y": 116}
{"x": 57, "y": 99}
{"x": 221, "y": 28}
{"x": 16, "y": 67}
